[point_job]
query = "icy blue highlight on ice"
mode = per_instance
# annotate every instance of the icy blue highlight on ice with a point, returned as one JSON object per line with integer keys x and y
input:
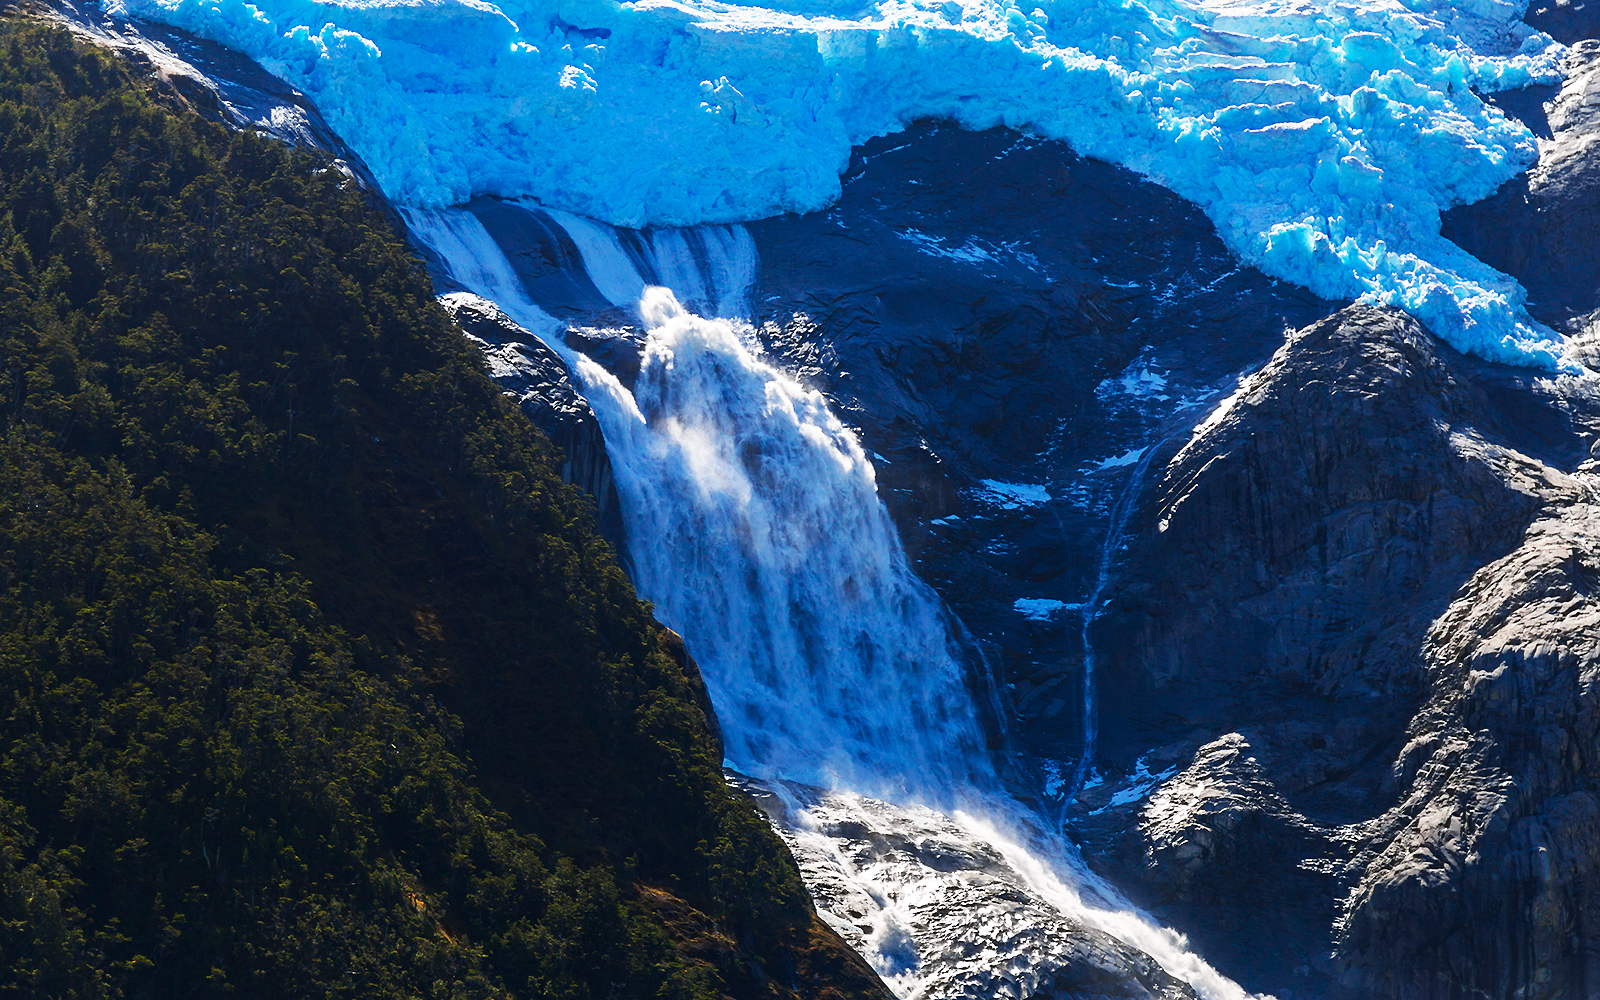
{"x": 1323, "y": 137}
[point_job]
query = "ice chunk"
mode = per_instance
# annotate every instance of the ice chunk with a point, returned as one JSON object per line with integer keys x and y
{"x": 1323, "y": 137}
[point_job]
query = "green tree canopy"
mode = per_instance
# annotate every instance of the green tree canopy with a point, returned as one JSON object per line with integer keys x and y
{"x": 314, "y": 678}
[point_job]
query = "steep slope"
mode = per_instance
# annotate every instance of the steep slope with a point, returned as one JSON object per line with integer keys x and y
{"x": 1543, "y": 226}
{"x": 1356, "y": 623}
{"x": 316, "y": 678}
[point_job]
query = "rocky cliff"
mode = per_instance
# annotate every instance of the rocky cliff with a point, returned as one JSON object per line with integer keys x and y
{"x": 537, "y": 378}
{"x": 1353, "y": 609}
{"x": 1337, "y": 607}
{"x": 1325, "y": 574}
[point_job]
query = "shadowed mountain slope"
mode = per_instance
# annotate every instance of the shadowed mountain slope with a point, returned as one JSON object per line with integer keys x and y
{"x": 314, "y": 678}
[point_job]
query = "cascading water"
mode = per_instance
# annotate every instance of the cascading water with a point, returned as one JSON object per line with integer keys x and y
{"x": 759, "y": 533}
{"x": 1093, "y": 608}
{"x": 757, "y": 529}
{"x": 710, "y": 267}
{"x": 754, "y": 524}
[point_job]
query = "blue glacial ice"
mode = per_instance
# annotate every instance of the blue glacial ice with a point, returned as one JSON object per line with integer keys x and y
{"x": 1323, "y": 137}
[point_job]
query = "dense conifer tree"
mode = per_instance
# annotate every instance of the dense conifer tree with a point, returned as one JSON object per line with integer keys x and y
{"x": 314, "y": 679}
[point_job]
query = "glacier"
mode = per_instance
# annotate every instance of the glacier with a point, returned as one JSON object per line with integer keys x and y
{"x": 1323, "y": 137}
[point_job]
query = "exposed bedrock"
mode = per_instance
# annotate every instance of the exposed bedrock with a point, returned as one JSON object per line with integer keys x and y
{"x": 939, "y": 897}
{"x": 1346, "y": 738}
{"x": 537, "y": 378}
{"x": 1567, "y": 21}
{"x": 1299, "y": 523}
{"x": 1011, "y": 325}
{"x": 1543, "y": 227}
{"x": 1306, "y": 769}
{"x": 1358, "y": 619}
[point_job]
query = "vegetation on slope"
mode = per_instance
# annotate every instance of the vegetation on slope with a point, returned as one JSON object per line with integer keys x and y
{"x": 314, "y": 679}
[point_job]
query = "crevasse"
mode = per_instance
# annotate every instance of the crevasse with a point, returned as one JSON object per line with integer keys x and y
{"x": 1323, "y": 137}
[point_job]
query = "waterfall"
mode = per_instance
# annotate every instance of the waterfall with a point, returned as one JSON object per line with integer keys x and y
{"x": 756, "y": 528}
{"x": 755, "y": 525}
{"x": 1116, "y": 536}
{"x": 759, "y": 533}
{"x": 708, "y": 268}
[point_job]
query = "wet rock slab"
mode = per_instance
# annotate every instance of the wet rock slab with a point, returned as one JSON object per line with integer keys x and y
{"x": 1012, "y": 327}
{"x": 942, "y": 909}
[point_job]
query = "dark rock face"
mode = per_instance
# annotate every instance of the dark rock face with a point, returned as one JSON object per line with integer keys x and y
{"x": 1338, "y": 608}
{"x": 1488, "y": 869}
{"x": 538, "y": 379}
{"x": 994, "y": 311}
{"x": 1567, "y": 21}
{"x": 1543, "y": 228}
{"x": 1013, "y": 329}
{"x": 980, "y": 286}
{"x": 1285, "y": 727}
{"x": 1010, "y": 326}
{"x": 1300, "y": 522}
{"x": 1343, "y": 706}
{"x": 1359, "y": 597}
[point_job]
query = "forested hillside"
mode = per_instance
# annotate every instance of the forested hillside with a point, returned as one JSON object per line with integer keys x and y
{"x": 314, "y": 678}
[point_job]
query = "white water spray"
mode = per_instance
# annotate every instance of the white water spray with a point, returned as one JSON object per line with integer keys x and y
{"x": 755, "y": 526}
{"x": 757, "y": 529}
{"x": 754, "y": 523}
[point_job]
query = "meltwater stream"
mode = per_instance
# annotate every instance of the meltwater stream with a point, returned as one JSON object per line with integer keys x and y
{"x": 755, "y": 526}
{"x": 1116, "y": 537}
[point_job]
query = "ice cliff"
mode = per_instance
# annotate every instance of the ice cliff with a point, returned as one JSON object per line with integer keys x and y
{"x": 1322, "y": 137}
